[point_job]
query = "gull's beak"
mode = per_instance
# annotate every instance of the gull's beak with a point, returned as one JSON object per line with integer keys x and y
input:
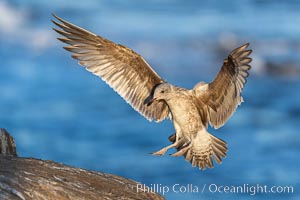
{"x": 149, "y": 100}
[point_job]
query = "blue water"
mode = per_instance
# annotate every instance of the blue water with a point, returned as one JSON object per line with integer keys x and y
{"x": 58, "y": 111}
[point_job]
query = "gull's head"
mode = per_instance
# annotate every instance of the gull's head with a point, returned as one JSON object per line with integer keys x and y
{"x": 161, "y": 92}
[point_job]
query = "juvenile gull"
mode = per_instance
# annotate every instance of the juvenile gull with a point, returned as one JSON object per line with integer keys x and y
{"x": 190, "y": 110}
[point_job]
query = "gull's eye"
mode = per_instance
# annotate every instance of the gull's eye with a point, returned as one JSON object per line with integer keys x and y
{"x": 162, "y": 91}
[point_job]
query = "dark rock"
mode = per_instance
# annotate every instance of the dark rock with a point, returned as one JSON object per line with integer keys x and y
{"x": 7, "y": 144}
{"x": 283, "y": 69}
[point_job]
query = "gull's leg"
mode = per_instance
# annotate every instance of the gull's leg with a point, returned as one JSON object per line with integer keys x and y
{"x": 172, "y": 138}
{"x": 163, "y": 150}
{"x": 182, "y": 150}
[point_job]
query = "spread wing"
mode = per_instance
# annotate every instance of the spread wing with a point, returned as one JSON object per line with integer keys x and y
{"x": 121, "y": 68}
{"x": 223, "y": 94}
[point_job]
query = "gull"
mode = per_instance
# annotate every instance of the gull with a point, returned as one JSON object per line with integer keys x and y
{"x": 190, "y": 110}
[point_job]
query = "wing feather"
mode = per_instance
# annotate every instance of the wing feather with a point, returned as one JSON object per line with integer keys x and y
{"x": 120, "y": 67}
{"x": 223, "y": 94}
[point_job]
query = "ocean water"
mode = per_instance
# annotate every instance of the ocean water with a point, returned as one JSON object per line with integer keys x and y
{"x": 58, "y": 111}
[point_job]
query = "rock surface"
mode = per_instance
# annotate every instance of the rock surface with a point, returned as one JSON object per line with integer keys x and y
{"x": 29, "y": 178}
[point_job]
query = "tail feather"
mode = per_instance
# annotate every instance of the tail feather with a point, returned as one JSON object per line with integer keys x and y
{"x": 219, "y": 148}
{"x": 204, "y": 147}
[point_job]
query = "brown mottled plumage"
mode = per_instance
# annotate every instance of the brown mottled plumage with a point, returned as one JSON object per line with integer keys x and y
{"x": 190, "y": 110}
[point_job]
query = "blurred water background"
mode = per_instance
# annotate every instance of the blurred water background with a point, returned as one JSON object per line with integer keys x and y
{"x": 58, "y": 111}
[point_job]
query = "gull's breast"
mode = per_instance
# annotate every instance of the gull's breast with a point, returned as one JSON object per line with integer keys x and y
{"x": 186, "y": 115}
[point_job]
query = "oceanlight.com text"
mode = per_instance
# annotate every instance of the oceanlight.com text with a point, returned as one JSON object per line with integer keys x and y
{"x": 250, "y": 189}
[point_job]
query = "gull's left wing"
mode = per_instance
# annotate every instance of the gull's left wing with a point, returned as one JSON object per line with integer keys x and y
{"x": 223, "y": 94}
